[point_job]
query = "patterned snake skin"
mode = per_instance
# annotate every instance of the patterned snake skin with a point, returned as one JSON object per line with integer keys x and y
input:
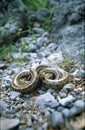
{"x": 50, "y": 76}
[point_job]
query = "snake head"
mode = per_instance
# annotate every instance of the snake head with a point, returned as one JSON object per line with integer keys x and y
{"x": 42, "y": 75}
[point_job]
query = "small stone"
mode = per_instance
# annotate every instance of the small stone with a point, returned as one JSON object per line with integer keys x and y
{"x": 34, "y": 116}
{"x": 75, "y": 72}
{"x": 29, "y": 120}
{"x": 64, "y": 90}
{"x": 29, "y": 128}
{"x": 48, "y": 100}
{"x": 11, "y": 116}
{"x": 66, "y": 101}
{"x": 14, "y": 95}
{"x": 65, "y": 112}
{"x": 33, "y": 55}
{"x": 56, "y": 118}
{"x": 73, "y": 111}
{"x": 9, "y": 124}
{"x": 55, "y": 57}
{"x": 81, "y": 74}
{"x": 3, "y": 104}
{"x": 80, "y": 105}
{"x": 60, "y": 108}
{"x": 69, "y": 86}
{"x": 19, "y": 55}
{"x": 40, "y": 41}
{"x": 62, "y": 95}
{"x": 38, "y": 30}
{"x": 50, "y": 90}
{"x": 32, "y": 48}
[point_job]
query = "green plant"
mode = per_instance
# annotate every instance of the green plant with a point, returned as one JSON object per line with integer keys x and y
{"x": 47, "y": 21}
{"x": 34, "y": 5}
{"x": 67, "y": 62}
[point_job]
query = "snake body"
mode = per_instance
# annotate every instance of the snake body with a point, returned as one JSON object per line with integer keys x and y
{"x": 49, "y": 75}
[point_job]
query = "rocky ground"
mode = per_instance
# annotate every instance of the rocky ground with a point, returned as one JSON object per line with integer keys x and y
{"x": 46, "y": 109}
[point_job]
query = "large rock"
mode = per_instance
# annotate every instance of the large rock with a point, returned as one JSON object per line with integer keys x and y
{"x": 13, "y": 16}
{"x": 67, "y": 27}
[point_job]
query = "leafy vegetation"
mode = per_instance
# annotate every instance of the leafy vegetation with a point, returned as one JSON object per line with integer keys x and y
{"x": 34, "y": 5}
{"x": 47, "y": 21}
{"x": 22, "y": 47}
{"x": 67, "y": 62}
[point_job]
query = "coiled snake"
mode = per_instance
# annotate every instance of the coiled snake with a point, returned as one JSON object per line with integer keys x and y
{"x": 50, "y": 76}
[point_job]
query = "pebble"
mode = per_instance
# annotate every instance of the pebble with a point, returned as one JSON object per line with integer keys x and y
{"x": 3, "y": 104}
{"x": 48, "y": 101}
{"x": 19, "y": 55}
{"x": 14, "y": 95}
{"x": 9, "y": 124}
{"x": 69, "y": 86}
{"x": 50, "y": 90}
{"x": 29, "y": 120}
{"x": 55, "y": 57}
{"x": 62, "y": 95}
{"x": 40, "y": 41}
{"x": 64, "y": 90}
{"x": 60, "y": 108}
{"x": 80, "y": 105}
{"x": 66, "y": 112}
{"x": 73, "y": 111}
{"x": 32, "y": 48}
{"x": 33, "y": 55}
{"x": 81, "y": 74}
{"x": 66, "y": 101}
{"x": 56, "y": 118}
{"x": 38, "y": 30}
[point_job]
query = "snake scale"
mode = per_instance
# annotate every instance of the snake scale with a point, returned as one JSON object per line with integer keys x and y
{"x": 49, "y": 75}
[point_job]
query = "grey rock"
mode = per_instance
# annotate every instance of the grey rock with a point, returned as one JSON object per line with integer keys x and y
{"x": 40, "y": 41}
{"x": 17, "y": 19}
{"x": 48, "y": 101}
{"x": 73, "y": 111}
{"x": 69, "y": 86}
{"x": 29, "y": 120}
{"x": 32, "y": 48}
{"x": 14, "y": 95}
{"x": 66, "y": 101}
{"x": 62, "y": 95}
{"x": 9, "y": 124}
{"x": 56, "y": 118}
{"x": 3, "y": 104}
{"x": 74, "y": 18}
{"x": 33, "y": 55}
{"x": 64, "y": 90}
{"x": 60, "y": 108}
{"x": 55, "y": 57}
{"x": 19, "y": 55}
{"x": 11, "y": 116}
{"x": 66, "y": 112}
{"x": 52, "y": 47}
{"x": 72, "y": 70}
{"x": 41, "y": 54}
{"x": 50, "y": 90}
{"x": 38, "y": 30}
{"x": 29, "y": 128}
{"x": 81, "y": 74}
{"x": 80, "y": 105}
{"x": 63, "y": 19}
{"x": 73, "y": 93}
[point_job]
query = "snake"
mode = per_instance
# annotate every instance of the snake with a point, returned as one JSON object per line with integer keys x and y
{"x": 49, "y": 75}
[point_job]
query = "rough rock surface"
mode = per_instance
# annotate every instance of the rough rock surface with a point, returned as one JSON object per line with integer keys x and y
{"x": 67, "y": 27}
